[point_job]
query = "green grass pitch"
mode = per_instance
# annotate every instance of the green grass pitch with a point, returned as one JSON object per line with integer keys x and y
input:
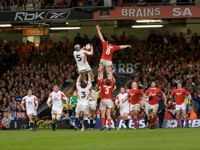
{"x": 142, "y": 139}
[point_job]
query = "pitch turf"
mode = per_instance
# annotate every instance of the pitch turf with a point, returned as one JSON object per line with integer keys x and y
{"x": 142, "y": 139}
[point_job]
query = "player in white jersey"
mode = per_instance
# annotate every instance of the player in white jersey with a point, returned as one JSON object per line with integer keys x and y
{"x": 124, "y": 107}
{"x": 92, "y": 106}
{"x": 31, "y": 103}
{"x": 56, "y": 101}
{"x": 83, "y": 90}
{"x": 80, "y": 55}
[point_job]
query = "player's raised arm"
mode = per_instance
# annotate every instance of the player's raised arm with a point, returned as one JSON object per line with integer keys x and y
{"x": 91, "y": 49}
{"x": 99, "y": 32}
{"x": 125, "y": 46}
{"x": 89, "y": 78}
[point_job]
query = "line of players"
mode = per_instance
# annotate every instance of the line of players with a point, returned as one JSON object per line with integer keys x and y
{"x": 86, "y": 98}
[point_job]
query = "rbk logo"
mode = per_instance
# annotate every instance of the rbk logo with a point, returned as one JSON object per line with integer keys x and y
{"x": 57, "y": 15}
{"x": 41, "y": 15}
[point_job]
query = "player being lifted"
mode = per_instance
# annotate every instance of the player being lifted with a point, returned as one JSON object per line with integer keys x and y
{"x": 180, "y": 94}
{"x": 108, "y": 50}
{"x": 83, "y": 90}
{"x": 80, "y": 55}
{"x": 135, "y": 95}
{"x": 31, "y": 103}
{"x": 106, "y": 87}
{"x": 153, "y": 93}
{"x": 123, "y": 106}
{"x": 56, "y": 101}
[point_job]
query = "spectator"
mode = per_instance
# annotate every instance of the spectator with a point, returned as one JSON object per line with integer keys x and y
{"x": 6, "y": 122}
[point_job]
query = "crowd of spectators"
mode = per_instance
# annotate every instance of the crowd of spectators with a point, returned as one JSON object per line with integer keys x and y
{"x": 59, "y": 4}
{"x": 47, "y": 4}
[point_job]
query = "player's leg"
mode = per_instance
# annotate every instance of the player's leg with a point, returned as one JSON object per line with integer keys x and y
{"x": 103, "y": 112}
{"x": 126, "y": 120}
{"x": 155, "y": 110}
{"x": 76, "y": 121}
{"x": 113, "y": 116}
{"x": 85, "y": 122}
{"x": 150, "y": 112}
{"x": 109, "y": 72}
{"x": 178, "y": 116}
{"x": 53, "y": 116}
{"x": 108, "y": 112}
{"x": 92, "y": 118}
{"x": 30, "y": 116}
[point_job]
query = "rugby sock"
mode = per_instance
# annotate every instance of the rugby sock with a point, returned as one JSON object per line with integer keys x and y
{"x": 186, "y": 122}
{"x": 126, "y": 123}
{"x": 135, "y": 123}
{"x": 91, "y": 123}
{"x": 76, "y": 121}
{"x": 54, "y": 125}
{"x": 178, "y": 121}
{"x": 85, "y": 122}
{"x": 31, "y": 124}
{"x": 109, "y": 123}
{"x": 103, "y": 121}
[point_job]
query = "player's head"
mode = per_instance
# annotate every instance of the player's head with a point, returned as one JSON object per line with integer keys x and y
{"x": 74, "y": 93}
{"x": 83, "y": 84}
{"x": 77, "y": 47}
{"x": 134, "y": 85}
{"x": 55, "y": 88}
{"x": 122, "y": 90}
{"x": 153, "y": 84}
{"x": 110, "y": 41}
{"x": 179, "y": 86}
{"x": 107, "y": 82}
{"x": 29, "y": 92}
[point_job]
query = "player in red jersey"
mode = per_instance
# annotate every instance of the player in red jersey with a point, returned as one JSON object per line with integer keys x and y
{"x": 152, "y": 94}
{"x": 135, "y": 95}
{"x": 108, "y": 50}
{"x": 180, "y": 94}
{"x": 106, "y": 87}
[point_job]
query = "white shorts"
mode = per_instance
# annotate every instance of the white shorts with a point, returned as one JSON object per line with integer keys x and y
{"x": 57, "y": 111}
{"x": 181, "y": 107}
{"x": 31, "y": 112}
{"x": 123, "y": 110}
{"x": 92, "y": 105}
{"x": 87, "y": 68}
{"x": 135, "y": 107}
{"x": 154, "y": 107}
{"x": 106, "y": 63}
{"x": 106, "y": 103}
{"x": 82, "y": 108}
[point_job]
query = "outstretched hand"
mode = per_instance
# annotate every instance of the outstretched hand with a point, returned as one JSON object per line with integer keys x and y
{"x": 98, "y": 27}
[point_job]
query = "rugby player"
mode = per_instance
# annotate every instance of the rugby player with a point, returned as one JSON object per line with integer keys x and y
{"x": 135, "y": 95}
{"x": 31, "y": 103}
{"x": 180, "y": 94}
{"x": 108, "y": 50}
{"x": 83, "y": 90}
{"x": 152, "y": 94}
{"x": 56, "y": 101}
{"x": 123, "y": 106}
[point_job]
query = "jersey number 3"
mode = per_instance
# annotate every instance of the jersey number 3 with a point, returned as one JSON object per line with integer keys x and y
{"x": 83, "y": 94}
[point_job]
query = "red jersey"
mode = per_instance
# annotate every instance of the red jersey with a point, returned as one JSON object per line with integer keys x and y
{"x": 180, "y": 95}
{"x": 154, "y": 92}
{"x": 134, "y": 95}
{"x": 105, "y": 90}
{"x": 108, "y": 50}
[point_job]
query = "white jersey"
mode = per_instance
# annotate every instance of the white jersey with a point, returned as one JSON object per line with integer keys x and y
{"x": 92, "y": 94}
{"x": 120, "y": 98}
{"x": 56, "y": 98}
{"x": 30, "y": 102}
{"x": 81, "y": 59}
{"x": 83, "y": 93}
